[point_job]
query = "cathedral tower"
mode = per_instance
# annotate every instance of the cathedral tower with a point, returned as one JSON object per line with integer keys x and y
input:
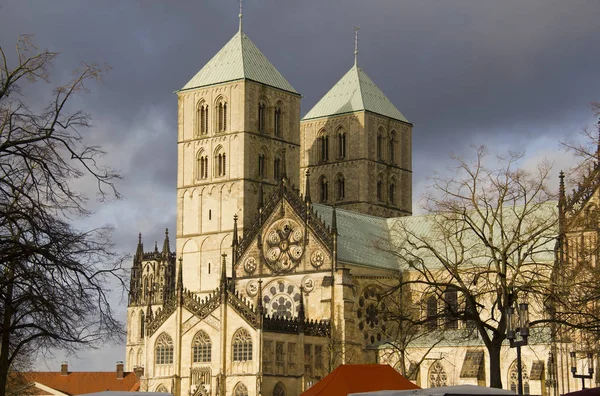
{"x": 238, "y": 126}
{"x": 357, "y": 146}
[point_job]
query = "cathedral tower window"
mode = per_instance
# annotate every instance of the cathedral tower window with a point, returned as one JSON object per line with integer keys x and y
{"x": 323, "y": 145}
{"x": 393, "y": 147}
{"x": 240, "y": 390}
{"x": 278, "y": 120}
{"x": 379, "y": 190}
{"x": 201, "y": 166}
{"x": 221, "y": 116}
{"x": 201, "y": 348}
{"x": 340, "y": 187}
{"x": 220, "y": 162}
{"x": 262, "y": 117}
{"x": 202, "y": 118}
{"x": 142, "y": 324}
{"x": 279, "y": 389}
{"x": 261, "y": 166}
{"x": 242, "y": 346}
{"x": 323, "y": 187}
{"x": 432, "y": 321}
{"x": 163, "y": 349}
{"x": 380, "y": 144}
{"x": 392, "y": 192}
{"x": 341, "y": 137}
{"x": 277, "y": 168}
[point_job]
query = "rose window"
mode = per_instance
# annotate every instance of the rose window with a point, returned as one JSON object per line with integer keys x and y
{"x": 283, "y": 245}
{"x": 282, "y": 299}
{"x": 372, "y": 316}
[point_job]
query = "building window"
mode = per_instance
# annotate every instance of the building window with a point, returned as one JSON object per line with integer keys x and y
{"x": 201, "y": 348}
{"x": 202, "y": 118}
{"x": 222, "y": 116}
{"x": 242, "y": 346}
{"x": 261, "y": 166}
{"x": 240, "y": 390}
{"x": 262, "y": 113}
{"x": 142, "y": 324}
{"x": 432, "y": 313}
{"x": 277, "y": 168}
{"x": 340, "y": 187}
{"x": 201, "y": 166}
{"x": 379, "y": 145}
{"x": 163, "y": 349}
{"x": 392, "y": 193}
{"x": 291, "y": 352}
{"x": 318, "y": 357}
{"x": 279, "y": 390}
{"x": 437, "y": 376}
{"x": 341, "y": 136}
{"x": 451, "y": 300}
{"x": 379, "y": 190}
{"x": 277, "y": 120}
{"x": 279, "y": 356}
{"x": 324, "y": 148}
{"x": 220, "y": 163}
{"x": 307, "y": 359}
{"x": 323, "y": 188}
{"x": 393, "y": 147}
{"x": 513, "y": 378}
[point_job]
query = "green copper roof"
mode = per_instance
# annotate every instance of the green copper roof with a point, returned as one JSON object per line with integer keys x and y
{"x": 239, "y": 59}
{"x": 354, "y": 92}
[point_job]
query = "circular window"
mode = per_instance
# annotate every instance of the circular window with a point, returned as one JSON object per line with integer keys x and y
{"x": 282, "y": 299}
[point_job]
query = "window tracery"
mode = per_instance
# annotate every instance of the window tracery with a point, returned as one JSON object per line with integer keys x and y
{"x": 242, "y": 346}
{"x": 201, "y": 348}
{"x": 240, "y": 390}
{"x": 163, "y": 349}
{"x": 513, "y": 378}
{"x": 282, "y": 299}
{"x": 437, "y": 376}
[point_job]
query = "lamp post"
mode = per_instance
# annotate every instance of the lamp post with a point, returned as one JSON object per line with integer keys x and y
{"x": 574, "y": 368}
{"x": 522, "y": 330}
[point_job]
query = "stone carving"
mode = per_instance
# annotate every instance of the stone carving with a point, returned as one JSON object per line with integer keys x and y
{"x": 309, "y": 283}
{"x": 317, "y": 258}
{"x": 283, "y": 245}
{"x": 252, "y": 288}
{"x": 250, "y": 265}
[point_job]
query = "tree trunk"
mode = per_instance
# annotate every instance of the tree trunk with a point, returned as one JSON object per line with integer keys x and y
{"x": 5, "y": 345}
{"x": 495, "y": 373}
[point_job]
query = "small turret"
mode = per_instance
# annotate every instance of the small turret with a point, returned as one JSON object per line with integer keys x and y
{"x": 166, "y": 250}
{"x": 223, "y": 273}
{"x": 139, "y": 253}
{"x": 307, "y": 188}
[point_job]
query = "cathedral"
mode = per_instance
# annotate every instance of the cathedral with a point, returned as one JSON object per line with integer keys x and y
{"x": 273, "y": 278}
{"x": 282, "y": 244}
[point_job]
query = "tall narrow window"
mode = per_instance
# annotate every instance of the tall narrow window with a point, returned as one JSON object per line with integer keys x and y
{"x": 393, "y": 147}
{"x": 220, "y": 163}
{"x": 379, "y": 147}
{"x": 451, "y": 300}
{"x": 392, "y": 193}
{"x": 324, "y": 148}
{"x": 380, "y": 190}
{"x": 277, "y": 120}
{"x": 432, "y": 313}
{"x": 205, "y": 128}
{"x": 340, "y": 187}
{"x": 261, "y": 166}
{"x": 242, "y": 346}
{"x": 323, "y": 188}
{"x": 142, "y": 324}
{"x": 222, "y": 116}
{"x": 201, "y": 348}
{"x": 262, "y": 110}
{"x": 341, "y": 137}
{"x": 277, "y": 168}
{"x": 163, "y": 349}
{"x": 202, "y": 119}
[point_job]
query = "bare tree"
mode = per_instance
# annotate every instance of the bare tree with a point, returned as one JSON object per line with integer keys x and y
{"x": 488, "y": 241}
{"x": 54, "y": 279}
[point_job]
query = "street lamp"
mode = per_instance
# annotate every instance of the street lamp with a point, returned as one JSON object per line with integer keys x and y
{"x": 522, "y": 330}
{"x": 583, "y": 377}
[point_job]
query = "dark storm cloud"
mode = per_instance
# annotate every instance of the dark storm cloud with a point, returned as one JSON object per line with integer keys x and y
{"x": 493, "y": 72}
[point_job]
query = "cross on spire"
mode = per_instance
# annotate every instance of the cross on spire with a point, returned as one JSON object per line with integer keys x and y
{"x": 241, "y": 15}
{"x": 356, "y": 28}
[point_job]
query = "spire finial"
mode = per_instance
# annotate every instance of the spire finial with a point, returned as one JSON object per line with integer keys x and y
{"x": 307, "y": 188}
{"x": 356, "y": 28}
{"x": 241, "y": 15}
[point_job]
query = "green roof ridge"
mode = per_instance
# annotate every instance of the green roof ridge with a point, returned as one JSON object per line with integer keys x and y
{"x": 239, "y": 59}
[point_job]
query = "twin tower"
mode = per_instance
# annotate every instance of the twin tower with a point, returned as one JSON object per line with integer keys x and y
{"x": 239, "y": 127}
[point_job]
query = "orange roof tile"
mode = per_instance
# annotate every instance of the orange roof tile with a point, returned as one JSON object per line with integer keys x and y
{"x": 77, "y": 383}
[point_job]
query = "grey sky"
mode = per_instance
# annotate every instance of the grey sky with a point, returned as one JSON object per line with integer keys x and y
{"x": 509, "y": 74}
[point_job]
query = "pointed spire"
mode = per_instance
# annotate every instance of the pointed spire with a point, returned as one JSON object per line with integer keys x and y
{"x": 235, "y": 231}
{"x": 180, "y": 276}
{"x": 241, "y": 15}
{"x": 155, "y": 246}
{"x": 561, "y": 187}
{"x": 307, "y": 188}
{"x": 139, "y": 253}
{"x": 166, "y": 248}
{"x": 334, "y": 221}
{"x": 284, "y": 171}
{"x": 356, "y": 28}
{"x": 223, "y": 272}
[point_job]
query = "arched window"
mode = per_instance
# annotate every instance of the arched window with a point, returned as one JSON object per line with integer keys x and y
{"x": 161, "y": 389}
{"x": 380, "y": 144}
{"x": 201, "y": 118}
{"x": 513, "y": 378}
{"x": 163, "y": 349}
{"x": 437, "y": 376}
{"x": 240, "y": 390}
{"x": 142, "y": 324}
{"x": 323, "y": 144}
{"x": 139, "y": 358}
{"x": 201, "y": 166}
{"x": 221, "y": 116}
{"x": 201, "y": 348}
{"x": 392, "y": 192}
{"x": 323, "y": 187}
{"x": 262, "y": 114}
{"x": 340, "y": 187}
{"x": 277, "y": 119}
{"x": 242, "y": 346}
{"x": 277, "y": 168}
{"x": 379, "y": 190}
{"x": 393, "y": 147}
{"x": 220, "y": 162}
{"x": 341, "y": 137}
{"x": 432, "y": 313}
{"x": 261, "y": 165}
{"x": 451, "y": 309}
{"x": 279, "y": 389}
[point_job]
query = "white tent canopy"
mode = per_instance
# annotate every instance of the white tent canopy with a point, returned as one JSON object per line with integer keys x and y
{"x": 442, "y": 391}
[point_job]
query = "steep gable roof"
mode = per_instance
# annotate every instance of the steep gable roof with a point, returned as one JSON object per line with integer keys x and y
{"x": 239, "y": 59}
{"x": 354, "y": 92}
{"x": 77, "y": 383}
